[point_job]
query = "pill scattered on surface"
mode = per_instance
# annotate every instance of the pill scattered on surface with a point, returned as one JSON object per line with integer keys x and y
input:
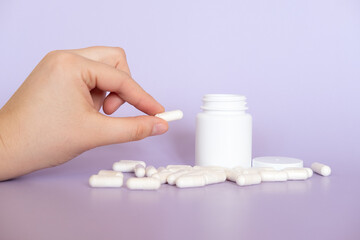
{"x": 105, "y": 181}
{"x": 164, "y": 175}
{"x": 145, "y": 183}
{"x": 174, "y": 168}
{"x": 296, "y": 173}
{"x": 273, "y": 176}
{"x": 127, "y": 165}
{"x": 248, "y": 179}
{"x": 310, "y": 172}
{"x": 171, "y": 179}
{"x": 110, "y": 173}
{"x": 139, "y": 170}
{"x": 187, "y": 181}
{"x": 216, "y": 176}
{"x": 232, "y": 174}
{"x": 150, "y": 170}
{"x": 321, "y": 169}
{"x": 170, "y": 115}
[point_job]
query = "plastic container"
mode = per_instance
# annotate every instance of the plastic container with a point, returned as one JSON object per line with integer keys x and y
{"x": 223, "y": 132}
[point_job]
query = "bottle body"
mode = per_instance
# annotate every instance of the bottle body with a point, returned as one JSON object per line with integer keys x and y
{"x": 223, "y": 133}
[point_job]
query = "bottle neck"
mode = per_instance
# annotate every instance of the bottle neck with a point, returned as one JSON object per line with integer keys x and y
{"x": 224, "y": 103}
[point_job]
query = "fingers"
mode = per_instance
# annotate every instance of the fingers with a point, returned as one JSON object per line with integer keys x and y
{"x": 98, "y": 98}
{"x": 111, "y": 103}
{"x": 112, "y": 56}
{"x": 119, "y": 130}
{"x": 107, "y": 78}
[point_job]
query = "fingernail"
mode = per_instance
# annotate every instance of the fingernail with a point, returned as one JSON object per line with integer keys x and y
{"x": 158, "y": 129}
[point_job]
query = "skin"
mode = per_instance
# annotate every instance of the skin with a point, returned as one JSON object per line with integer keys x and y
{"x": 54, "y": 115}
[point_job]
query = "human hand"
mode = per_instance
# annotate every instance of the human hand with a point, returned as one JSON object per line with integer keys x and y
{"x": 54, "y": 115}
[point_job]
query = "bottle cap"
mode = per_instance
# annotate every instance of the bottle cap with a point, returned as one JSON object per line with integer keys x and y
{"x": 277, "y": 163}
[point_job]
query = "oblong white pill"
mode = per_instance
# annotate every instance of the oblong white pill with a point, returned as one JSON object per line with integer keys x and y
{"x": 296, "y": 173}
{"x": 139, "y": 170}
{"x": 187, "y": 181}
{"x": 175, "y": 168}
{"x": 273, "y": 176}
{"x": 232, "y": 175}
{"x": 212, "y": 177}
{"x": 150, "y": 170}
{"x": 127, "y": 165}
{"x": 160, "y": 169}
{"x": 310, "y": 172}
{"x": 146, "y": 183}
{"x": 171, "y": 115}
{"x": 105, "y": 181}
{"x": 163, "y": 175}
{"x": 110, "y": 173}
{"x": 248, "y": 179}
{"x": 321, "y": 169}
{"x": 171, "y": 179}
{"x": 157, "y": 176}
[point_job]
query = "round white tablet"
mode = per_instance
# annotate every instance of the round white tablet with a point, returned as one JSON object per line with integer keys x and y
{"x": 278, "y": 163}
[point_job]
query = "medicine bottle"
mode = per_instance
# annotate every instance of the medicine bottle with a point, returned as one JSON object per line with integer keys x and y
{"x": 223, "y": 132}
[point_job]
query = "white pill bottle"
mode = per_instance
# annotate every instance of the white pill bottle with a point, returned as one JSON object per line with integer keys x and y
{"x": 223, "y": 132}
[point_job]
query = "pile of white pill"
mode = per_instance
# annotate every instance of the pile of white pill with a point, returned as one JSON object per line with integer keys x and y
{"x": 186, "y": 176}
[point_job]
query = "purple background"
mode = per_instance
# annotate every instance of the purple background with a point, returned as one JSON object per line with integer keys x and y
{"x": 298, "y": 62}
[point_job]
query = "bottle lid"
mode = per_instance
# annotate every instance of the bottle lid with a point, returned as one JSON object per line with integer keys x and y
{"x": 277, "y": 163}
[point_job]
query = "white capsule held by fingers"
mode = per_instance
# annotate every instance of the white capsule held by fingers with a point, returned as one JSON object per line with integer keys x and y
{"x": 187, "y": 181}
{"x": 105, "y": 181}
{"x": 171, "y": 179}
{"x": 150, "y": 170}
{"x": 273, "y": 176}
{"x": 296, "y": 173}
{"x": 145, "y": 183}
{"x": 310, "y": 172}
{"x": 321, "y": 169}
{"x": 139, "y": 170}
{"x": 127, "y": 165}
{"x": 248, "y": 179}
{"x": 110, "y": 173}
{"x": 171, "y": 115}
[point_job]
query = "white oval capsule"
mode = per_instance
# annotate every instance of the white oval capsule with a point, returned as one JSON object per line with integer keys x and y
{"x": 157, "y": 176}
{"x": 248, "y": 179}
{"x": 187, "y": 181}
{"x": 174, "y": 168}
{"x": 150, "y": 170}
{"x": 146, "y": 183}
{"x": 127, "y": 165}
{"x": 171, "y": 115}
{"x": 273, "y": 176}
{"x": 209, "y": 168}
{"x": 214, "y": 176}
{"x": 321, "y": 169}
{"x": 160, "y": 169}
{"x": 296, "y": 173}
{"x": 309, "y": 171}
{"x": 232, "y": 175}
{"x": 110, "y": 173}
{"x": 163, "y": 175}
{"x": 105, "y": 181}
{"x": 139, "y": 170}
{"x": 171, "y": 179}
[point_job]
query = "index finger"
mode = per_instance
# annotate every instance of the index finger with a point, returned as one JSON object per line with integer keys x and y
{"x": 107, "y": 78}
{"x": 113, "y": 56}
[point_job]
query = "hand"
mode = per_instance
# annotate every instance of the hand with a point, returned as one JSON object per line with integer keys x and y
{"x": 54, "y": 115}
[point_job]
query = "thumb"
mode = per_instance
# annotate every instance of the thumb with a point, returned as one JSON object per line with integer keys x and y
{"x": 110, "y": 130}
